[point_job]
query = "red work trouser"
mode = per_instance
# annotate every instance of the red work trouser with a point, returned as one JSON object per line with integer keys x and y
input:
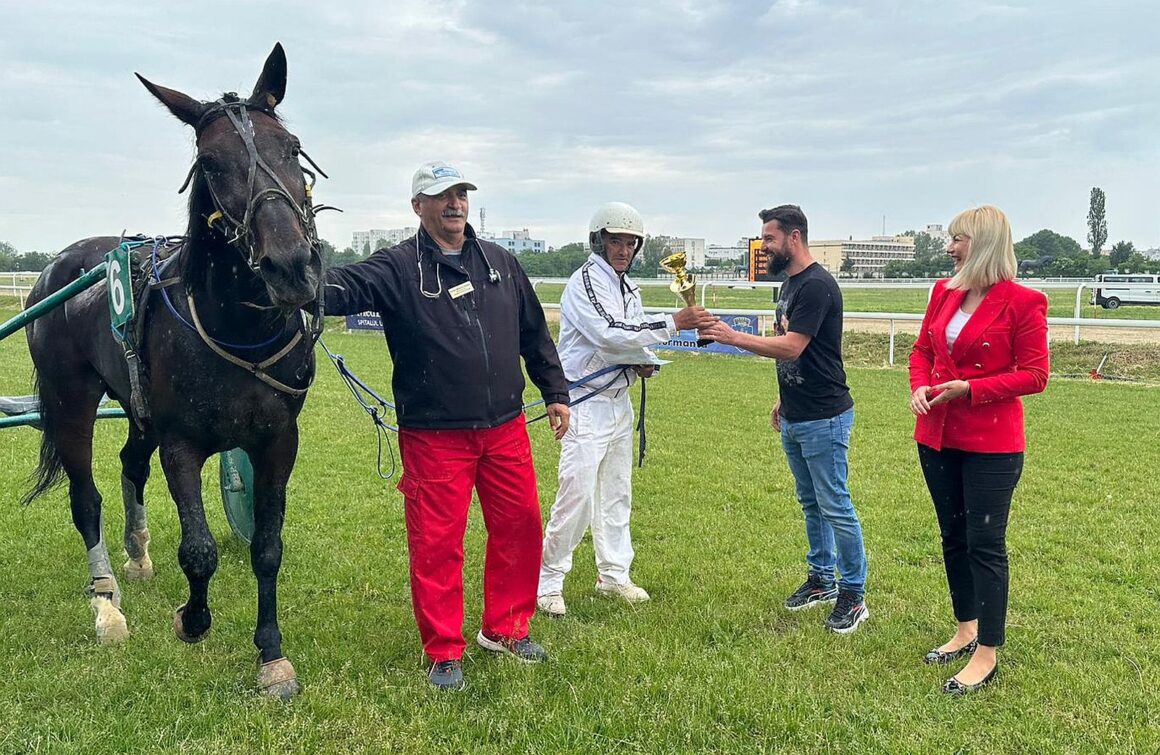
{"x": 440, "y": 467}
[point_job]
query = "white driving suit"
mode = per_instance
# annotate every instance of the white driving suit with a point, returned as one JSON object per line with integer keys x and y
{"x": 601, "y": 324}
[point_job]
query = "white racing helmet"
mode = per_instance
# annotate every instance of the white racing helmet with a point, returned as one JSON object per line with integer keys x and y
{"x": 615, "y": 217}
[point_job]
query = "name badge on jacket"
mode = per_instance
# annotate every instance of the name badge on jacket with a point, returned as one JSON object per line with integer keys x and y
{"x": 461, "y": 289}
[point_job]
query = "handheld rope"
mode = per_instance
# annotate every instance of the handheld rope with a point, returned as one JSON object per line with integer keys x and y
{"x": 376, "y": 406}
{"x": 365, "y": 395}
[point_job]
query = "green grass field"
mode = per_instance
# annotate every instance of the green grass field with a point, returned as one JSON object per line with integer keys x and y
{"x": 713, "y": 662}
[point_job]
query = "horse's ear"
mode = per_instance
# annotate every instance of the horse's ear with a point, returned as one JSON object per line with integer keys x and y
{"x": 271, "y": 86}
{"x": 184, "y": 107}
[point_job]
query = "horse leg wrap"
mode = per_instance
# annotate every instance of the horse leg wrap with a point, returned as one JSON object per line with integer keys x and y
{"x": 278, "y": 679}
{"x": 105, "y": 597}
{"x": 139, "y": 565}
{"x": 101, "y": 574}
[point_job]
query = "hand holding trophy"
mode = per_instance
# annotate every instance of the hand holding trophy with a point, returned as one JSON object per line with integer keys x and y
{"x": 686, "y": 286}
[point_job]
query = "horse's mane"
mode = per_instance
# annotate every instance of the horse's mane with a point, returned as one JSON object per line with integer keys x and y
{"x": 197, "y": 233}
{"x": 254, "y": 107}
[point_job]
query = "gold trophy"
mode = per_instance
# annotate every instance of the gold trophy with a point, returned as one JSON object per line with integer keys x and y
{"x": 683, "y": 284}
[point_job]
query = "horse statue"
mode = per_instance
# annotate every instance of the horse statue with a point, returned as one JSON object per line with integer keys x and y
{"x": 1034, "y": 266}
{"x": 221, "y": 357}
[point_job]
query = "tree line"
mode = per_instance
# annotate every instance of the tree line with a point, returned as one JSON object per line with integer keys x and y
{"x": 562, "y": 262}
{"x": 12, "y": 261}
{"x": 1043, "y": 254}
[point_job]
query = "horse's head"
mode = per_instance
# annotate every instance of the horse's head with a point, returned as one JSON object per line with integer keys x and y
{"x": 258, "y": 191}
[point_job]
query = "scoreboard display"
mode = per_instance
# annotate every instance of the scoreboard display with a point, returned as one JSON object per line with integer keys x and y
{"x": 758, "y": 269}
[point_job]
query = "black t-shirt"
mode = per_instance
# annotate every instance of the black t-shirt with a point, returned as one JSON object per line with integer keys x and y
{"x": 813, "y": 386}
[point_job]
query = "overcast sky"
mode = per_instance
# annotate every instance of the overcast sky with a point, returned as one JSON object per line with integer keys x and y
{"x": 697, "y": 112}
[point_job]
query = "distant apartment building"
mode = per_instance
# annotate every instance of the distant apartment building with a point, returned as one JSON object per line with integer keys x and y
{"x": 694, "y": 250}
{"x": 828, "y": 254}
{"x": 517, "y": 242}
{"x": 863, "y": 256}
{"x": 728, "y": 253}
{"x": 364, "y": 242}
{"x": 937, "y": 231}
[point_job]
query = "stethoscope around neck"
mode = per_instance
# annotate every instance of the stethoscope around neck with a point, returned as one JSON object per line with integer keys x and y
{"x": 493, "y": 275}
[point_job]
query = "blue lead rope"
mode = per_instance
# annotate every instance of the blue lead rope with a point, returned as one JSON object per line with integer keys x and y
{"x": 582, "y": 381}
{"x": 376, "y": 406}
{"x": 366, "y": 398}
{"x": 623, "y": 368}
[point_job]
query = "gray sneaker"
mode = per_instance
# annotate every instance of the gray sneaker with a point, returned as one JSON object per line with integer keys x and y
{"x": 522, "y": 650}
{"x": 447, "y": 675}
{"x": 813, "y": 592}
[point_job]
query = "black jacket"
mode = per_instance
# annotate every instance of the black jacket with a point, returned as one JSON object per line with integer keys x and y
{"x": 456, "y": 358}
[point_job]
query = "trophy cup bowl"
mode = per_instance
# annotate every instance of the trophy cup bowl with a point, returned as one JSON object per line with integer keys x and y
{"x": 683, "y": 284}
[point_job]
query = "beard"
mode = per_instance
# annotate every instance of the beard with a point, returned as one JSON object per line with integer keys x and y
{"x": 778, "y": 260}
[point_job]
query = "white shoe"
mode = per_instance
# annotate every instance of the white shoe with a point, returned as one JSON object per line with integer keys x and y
{"x": 552, "y": 604}
{"x": 630, "y": 592}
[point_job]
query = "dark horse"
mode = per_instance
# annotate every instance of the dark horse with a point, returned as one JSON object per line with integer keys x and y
{"x": 233, "y": 374}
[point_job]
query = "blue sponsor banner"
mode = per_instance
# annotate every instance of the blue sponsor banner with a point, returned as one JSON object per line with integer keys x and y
{"x": 364, "y": 321}
{"x": 686, "y": 340}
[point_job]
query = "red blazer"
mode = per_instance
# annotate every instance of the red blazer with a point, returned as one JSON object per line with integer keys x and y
{"x": 1002, "y": 352}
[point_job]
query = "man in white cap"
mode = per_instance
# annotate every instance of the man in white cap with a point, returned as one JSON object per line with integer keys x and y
{"x": 459, "y": 313}
{"x": 603, "y": 325}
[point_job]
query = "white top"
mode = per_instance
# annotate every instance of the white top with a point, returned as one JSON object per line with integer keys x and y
{"x": 955, "y": 326}
{"x": 602, "y": 323}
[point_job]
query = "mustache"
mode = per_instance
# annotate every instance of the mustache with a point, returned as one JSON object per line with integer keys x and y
{"x": 453, "y": 214}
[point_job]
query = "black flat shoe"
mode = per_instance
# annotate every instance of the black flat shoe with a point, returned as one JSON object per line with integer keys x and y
{"x": 946, "y": 656}
{"x": 955, "y": 687}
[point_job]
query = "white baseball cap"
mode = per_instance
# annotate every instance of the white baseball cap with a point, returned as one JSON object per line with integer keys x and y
{"x": 434, "y": 178}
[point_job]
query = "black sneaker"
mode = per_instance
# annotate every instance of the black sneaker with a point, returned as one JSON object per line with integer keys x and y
{"x": 848, "y": 613}
{"x": 523, "y": 650}
{"x": 447, "y": 675}
{"x": 812, "y": 592}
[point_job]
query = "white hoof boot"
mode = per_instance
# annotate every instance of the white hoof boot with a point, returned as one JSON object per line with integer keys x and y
{"x": 110, "y": 623}
{"x": 139, "y": 568}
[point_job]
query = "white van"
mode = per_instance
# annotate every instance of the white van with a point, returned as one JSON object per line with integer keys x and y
{"x": 1113, "y": 289}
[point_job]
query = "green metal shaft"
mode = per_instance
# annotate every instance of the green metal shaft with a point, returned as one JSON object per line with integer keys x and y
{"x": 34, "y": 417}
{"x": 88, "y": 280}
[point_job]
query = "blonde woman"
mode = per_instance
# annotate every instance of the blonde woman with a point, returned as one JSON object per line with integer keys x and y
{"x": 983, "y": 344}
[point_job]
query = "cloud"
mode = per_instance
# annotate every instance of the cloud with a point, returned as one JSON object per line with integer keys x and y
{"x": 697, "y": 111}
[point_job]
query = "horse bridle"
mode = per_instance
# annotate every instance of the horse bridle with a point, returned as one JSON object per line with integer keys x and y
{"x": 240, "y": 236}
{"x": 238, "y": 233}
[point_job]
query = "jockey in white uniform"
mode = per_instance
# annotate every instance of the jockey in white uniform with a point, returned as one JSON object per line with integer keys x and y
{"x": 603, "y": 324}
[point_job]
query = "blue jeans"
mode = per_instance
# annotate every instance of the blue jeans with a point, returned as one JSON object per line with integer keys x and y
{"x": 817, "y": 450}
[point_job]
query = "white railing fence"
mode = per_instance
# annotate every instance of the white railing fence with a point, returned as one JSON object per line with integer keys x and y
{"x": 17, "y": 284}
{"x": 893, "y": 318}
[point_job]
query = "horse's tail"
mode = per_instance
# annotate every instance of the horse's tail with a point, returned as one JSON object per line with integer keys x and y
{"x": 50, "y": 471}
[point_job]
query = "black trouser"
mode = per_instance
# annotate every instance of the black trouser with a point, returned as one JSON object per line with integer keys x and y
{"x": 972, "y": 498}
